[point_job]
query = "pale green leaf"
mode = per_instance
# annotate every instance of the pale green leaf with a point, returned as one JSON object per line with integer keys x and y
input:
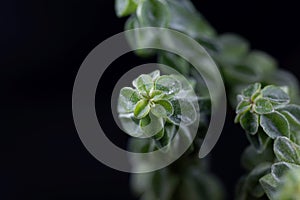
{"x": 292, "y": 113}
{"x": 151, "y": 125}
{"x": 168, "y": 84}
{"x": 155, "y": 74}
{"x": 279, "y": 169}
{"x": 270, "y": 185}
{"x": 243, "y": 106}
{"x": 125, "y": 7}
{"x": 251, "y": 90}
{"x": 144, "y": 84}
{"x": 141, "y": 109}
{"x": 184, "y": 112}
{"x": 249, "y": 122}
{"x": 162, "y": 108}
{"x": 127, "y": 99}
{"x": 263, "y": 106}
{"x": 287, "y": 151}
{"x": 275, "y": 124}
{"x": 275, "y": 94}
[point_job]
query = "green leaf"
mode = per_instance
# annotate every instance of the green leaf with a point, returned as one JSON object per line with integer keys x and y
{"x": 287, "y": 151}
{"x": 292, "y": 113}
{"x": 144, "y": 84}
{"x": 279, "y": 169}
{"x": 184, "y": 112}
{"x": 160, "y": 134}
{"x": 153, "y": 13}
{"x": 168, "y": 84}
{"x": 155, "y": 74}
{"x": 290, "y": 186}
{"x": 141, "y": 109}
{"x": 156, "y": 95}
{"x": 162, "y": 108}
{"x": 275, "y": 124}
{"x": 130, "y": 125}
{"x": 251, "y": 90}
{"x": 270, "y": 185}
{"x": 263, "y": 106}
{"x": 125, "y": 7}
{"x": 152, "y": 125}
{"x": 243, "y": 106}
{"x": 170, "y": 131}
{"x": 285, "y": 78}
{"x": 238, "y": 118}
{"x": 127, "y": 99}
{"x": 249, "y": 122}
{"x": 275, "y": 94}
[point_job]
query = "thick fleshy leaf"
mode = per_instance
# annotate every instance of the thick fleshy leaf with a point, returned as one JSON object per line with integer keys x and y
{"x": 238, "y": 118}
{"x": 292, "y": 113}
{"x": 275, "y": 94}
{"x": 251, "y": 90}
{"x": 153, "y": 13}
{"x": 168, "y": 84}
{"x": 279, "y": 169}
{"x": 151, "y": 125}
{"x": 249, "y": 122}
{"x": 144, "y": 84}
{"x": 184, "y": 112}
{"x": 156, "y": 95}
{"x": 289, "y": 189}
{"x": 130, "y": 125}
{"x": 141, "y": 109}
{"x": 270, "y": 185}
{"x": 263, "y": 106}
{"x": 287, "y": 151}
{"x": 125, "y": 7}
{"x": 155, "y": 74}
{"x": 162, "y": 108}
{"x": 275, "y": 124}
{"x": 170, "y": 131}
{"x": 282, "y": 77}
{"x": 127, "y": 99}
{"x": 243, "y": 106}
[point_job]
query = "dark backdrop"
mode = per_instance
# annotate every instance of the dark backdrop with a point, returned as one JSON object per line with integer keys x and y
{"x": 43, "y": 43}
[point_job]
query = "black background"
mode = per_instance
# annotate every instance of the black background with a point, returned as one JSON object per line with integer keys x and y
{"x": 43, "y": 44}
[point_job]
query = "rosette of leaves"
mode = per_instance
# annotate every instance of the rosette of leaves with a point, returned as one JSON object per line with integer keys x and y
{"x": 155, "y": 105}
{"x": 258, "y": 112}
{"x": 266, "y": 116}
